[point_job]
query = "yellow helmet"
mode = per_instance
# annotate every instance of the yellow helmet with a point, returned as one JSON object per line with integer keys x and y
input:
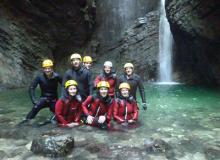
{"x": 71, "y": 83}
{"x": 87, "y": 59}
{"x": 47, "y": 63}
{"x": 128, "y": 65}
{"x": 75, "y": 55}
{"x": 103, "y": 84}
{"x": 124, "y": 85}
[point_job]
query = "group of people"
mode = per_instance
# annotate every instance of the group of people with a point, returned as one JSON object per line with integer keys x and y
{"x": 84, "y": 100}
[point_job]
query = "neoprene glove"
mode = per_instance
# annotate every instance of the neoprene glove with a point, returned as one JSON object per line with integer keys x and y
{"x": 144, "y": 105}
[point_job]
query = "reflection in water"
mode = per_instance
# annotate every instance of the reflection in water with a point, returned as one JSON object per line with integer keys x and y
{"x": 185, "y": 117}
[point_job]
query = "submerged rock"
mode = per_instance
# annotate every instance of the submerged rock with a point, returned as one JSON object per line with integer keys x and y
{"x": 2, "y": 154}
{"x": 156, "y": 146}
{"x": 159, "y": 146}
{"x": 212, "y": 150}
{"x": 53, "y": 146}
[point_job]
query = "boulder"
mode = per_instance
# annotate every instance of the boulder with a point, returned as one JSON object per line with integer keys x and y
{"x": 56, "y": 146}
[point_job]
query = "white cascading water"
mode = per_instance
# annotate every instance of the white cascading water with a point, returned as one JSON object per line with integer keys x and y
{"x": 165, "y": 47}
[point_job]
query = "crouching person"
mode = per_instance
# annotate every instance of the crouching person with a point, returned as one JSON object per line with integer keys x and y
{"x": 68, "y": 109}
{"x": 101, "y": 106}
{"x": 126, "y": 110}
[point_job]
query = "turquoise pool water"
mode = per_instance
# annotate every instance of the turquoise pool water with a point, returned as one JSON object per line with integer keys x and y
{"x": 186, "y": 117}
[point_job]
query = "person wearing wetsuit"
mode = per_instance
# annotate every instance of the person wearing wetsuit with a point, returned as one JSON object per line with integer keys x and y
{"x": 109, "y": 76}
{"x": 68, "y": 109}
{"x": 134, "y": 81}
{"x": 48, "y": 83}
{"x": 126, "y": 110}
{"x": 101, "y": 106}
{"x": 87, "y": 62}
{"x": 81, "y": 75}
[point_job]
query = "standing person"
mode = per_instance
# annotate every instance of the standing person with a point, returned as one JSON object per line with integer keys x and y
{"x": 134, "y": 81}
{"x": 87, "y": 62}
{"x": 101, "y": 107}
{"x": 68, "y": 109}
{"x": 126, "y": 110}
{"x": 48, "y": 83}
{"x": 81, "y": 75}
{"x": 109, "y": 76}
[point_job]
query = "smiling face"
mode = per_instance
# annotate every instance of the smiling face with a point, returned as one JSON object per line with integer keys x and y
{"x": 48, "y": 71}
{"x": 103, "y": 91}
{"x": 124, "y": 92}
{"x": 129, "y": 71}
{"x": 75, "y": 62}
{"x": 88, "y": 65}
{"x": 72, "y": 90}
{"x": 107, "y": 69}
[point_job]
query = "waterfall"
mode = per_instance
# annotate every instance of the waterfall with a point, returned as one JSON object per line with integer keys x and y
{"x": 165, "y": 47}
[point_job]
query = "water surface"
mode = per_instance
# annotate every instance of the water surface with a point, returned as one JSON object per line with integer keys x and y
{"x": 186, "y": 117}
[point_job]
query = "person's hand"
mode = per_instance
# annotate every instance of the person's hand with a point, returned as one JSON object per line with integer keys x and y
{"x": 109, "y": 125}
{"x": 131, "y": 121}
{"x": 124, "y": 124}
{"x": 101, "y": 119}
{"x": 35, "y": 102}
{"x": 144, "y": 105}
{"x": 90, "y": 119}
{"x": 72, "y": 124}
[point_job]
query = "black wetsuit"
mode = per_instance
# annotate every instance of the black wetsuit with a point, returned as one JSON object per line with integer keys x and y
{"x": 134, "y": 82}
{"x": 84, "y": 79}
{"x": 48, "y": 96}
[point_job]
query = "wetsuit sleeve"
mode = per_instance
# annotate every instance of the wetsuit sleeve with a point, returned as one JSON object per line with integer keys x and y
{"x": 59, "y": 107}
{"x": 65, "y": 78}
{"x": 141, "y": 89}
{"x": 32, "y": 89}
{"x": 110, "y": 112}
{"x": 97, "y": 80}
{"x": 78, "y": 115}
{"x": 90, "y": 83}
{"x": 85, "y": 104}
{"x": 116, "y": 87}
{"x": 118, "y": 81}
{"x": 115, "y": 113}
{"x": 135, "y": 110}
{"x": 60, "y": 79}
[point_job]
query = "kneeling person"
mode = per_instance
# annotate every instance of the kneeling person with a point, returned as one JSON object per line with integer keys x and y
{"x": 48, "y": 83}
{"x": 101, "y": 106}
{"x": 127, "y": 110}
{"x": 68, "y": 109}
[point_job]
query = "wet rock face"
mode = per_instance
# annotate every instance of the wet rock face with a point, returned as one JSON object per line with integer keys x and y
{"x": 195, "y": 27}
{"x": 53, "y": 146}
{"x": 114, "y": 17}
{"x": 33, "y": 30}
{"x": 139, "y": 45}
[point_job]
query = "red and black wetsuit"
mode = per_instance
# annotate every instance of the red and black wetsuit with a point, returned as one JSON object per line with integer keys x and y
{"x": 48, "y": 96}
{"x": 126, "y": 109}
{"x": 99, "y": 107}
{"x": 111, "y": 79}
{"x": 68, "y": 110}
